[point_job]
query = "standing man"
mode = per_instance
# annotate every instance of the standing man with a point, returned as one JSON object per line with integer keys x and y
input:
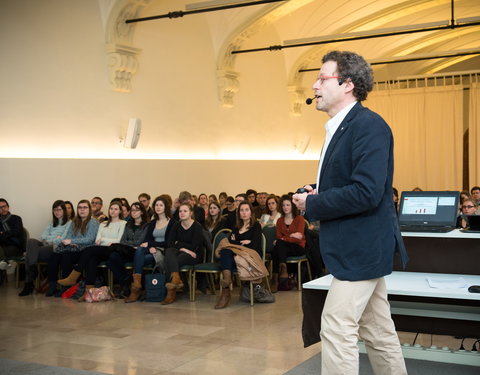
{"x": 359, "y": 233}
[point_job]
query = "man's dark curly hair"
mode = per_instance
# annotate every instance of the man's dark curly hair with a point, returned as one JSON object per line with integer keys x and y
{"x": 354, "y": 67}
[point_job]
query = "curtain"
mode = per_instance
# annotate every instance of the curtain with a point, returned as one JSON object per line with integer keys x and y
{"x": 474, "y": 135}
{"x": 427, "y": 124}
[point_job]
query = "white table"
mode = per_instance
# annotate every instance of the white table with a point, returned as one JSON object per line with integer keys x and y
{"x": 416, "y": 307}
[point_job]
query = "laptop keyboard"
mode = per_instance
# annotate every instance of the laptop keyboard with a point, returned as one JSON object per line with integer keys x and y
{"x": 420, "y": 228}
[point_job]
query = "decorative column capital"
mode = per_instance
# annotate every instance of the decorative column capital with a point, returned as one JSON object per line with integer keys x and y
{"x": 228, "y": 85}
{"x": 122, "y": 65}
{"x": 296, "y": 97}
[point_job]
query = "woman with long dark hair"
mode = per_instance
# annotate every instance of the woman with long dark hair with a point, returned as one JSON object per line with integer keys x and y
{"x": 290, "y": 240}
{"x": 41, "y": 250}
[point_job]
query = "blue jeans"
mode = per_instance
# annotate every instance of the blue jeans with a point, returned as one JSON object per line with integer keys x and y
{"x": 141, "y": 258}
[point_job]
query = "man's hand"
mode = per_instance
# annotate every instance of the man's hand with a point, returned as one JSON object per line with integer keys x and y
{"x": 300, "y": 200}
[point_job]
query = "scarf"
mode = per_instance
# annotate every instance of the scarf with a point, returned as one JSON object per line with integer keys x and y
{"x": 5, "y": 226}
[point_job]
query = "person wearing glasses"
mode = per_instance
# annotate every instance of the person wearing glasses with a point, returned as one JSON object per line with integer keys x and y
{"x": 97, "y": 213}
{"x": 109, "y": 232}
{"x": 469, "y": 207}
{"x": 80, "y": 234}
{"x": 359, "y": 232}
{"x": 145, "y": 199}
{"x": 11, "y": 234}
{"x": 41, "y": 250}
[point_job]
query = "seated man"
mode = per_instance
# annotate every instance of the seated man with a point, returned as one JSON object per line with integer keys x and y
{"x": 262, "y": 205}
{"x": 97, "y": 204}
{"x": 11, "y": 234}
{"x": 475, "y": 191}
{"x": 145, "y": 199}
{"x": 231, "y": 219}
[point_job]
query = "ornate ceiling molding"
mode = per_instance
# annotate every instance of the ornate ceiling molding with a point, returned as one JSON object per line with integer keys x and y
{"x": 122, "y": 55}
{"x": 226, "y": 61}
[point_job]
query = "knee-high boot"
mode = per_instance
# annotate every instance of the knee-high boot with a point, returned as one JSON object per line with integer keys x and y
{"x": 225, "y": 283}
{"x": 135, "y": 289}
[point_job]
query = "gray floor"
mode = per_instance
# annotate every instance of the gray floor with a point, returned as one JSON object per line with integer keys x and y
{"x": 11, "y": 367}
{"x": 414, "y": 367}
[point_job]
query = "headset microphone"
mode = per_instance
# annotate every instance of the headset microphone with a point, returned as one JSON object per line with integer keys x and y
{"x": 309, "y": 100}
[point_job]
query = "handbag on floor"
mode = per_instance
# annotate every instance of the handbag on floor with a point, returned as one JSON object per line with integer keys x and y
{"x": 99, "y": 294}
{"x": 155, "y": 290}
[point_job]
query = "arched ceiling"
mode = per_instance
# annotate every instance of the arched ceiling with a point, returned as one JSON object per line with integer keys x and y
{"x": 241, "y": 28}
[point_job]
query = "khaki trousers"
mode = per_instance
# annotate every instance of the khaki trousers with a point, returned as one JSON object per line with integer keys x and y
{"x": 353, "y": 310}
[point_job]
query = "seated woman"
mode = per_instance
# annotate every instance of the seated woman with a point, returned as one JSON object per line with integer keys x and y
{"x": 270, "y": 218}
{"x": 247, "y": 232}
{"x": 203, "y": 202}
{"x": 469, "y": 207}
{"x": 158, "y": 231}
{"x": 214, "y": 221}
{"x": 125, "y": 209}
{"x": 70, "y": 210}
{"x": 184, "y": 247}
{"x": 37, "y": 250}
{"x": 290, "y": 240}
{"x": 123, "y": 252}
{"x": 109, "y": 232}
{"x": 80, "y": 234}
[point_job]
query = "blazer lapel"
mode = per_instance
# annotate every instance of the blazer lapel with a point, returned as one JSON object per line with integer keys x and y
{"x": 338, "y": 134}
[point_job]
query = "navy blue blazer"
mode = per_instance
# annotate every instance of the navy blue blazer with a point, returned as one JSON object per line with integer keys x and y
{"x": 359, "y": 231}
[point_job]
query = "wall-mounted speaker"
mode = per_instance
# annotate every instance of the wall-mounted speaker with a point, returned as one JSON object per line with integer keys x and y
{"x": 133, "y": 133}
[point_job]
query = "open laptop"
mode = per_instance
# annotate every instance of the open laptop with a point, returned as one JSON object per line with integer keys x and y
{"x": 473, "y": 224}
{"x": 428, "y": 211}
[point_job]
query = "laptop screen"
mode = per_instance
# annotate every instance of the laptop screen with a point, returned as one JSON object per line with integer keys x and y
{"x": 429, "y": 208}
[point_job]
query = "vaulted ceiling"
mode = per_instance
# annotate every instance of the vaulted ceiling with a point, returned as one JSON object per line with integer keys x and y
{"x": 280, "y": 23}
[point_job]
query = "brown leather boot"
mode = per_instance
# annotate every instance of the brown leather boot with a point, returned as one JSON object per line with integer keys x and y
{"x": 135, "y": 288}
{"x": 171, "y": 296}
{"x": 274, "y": 286}
{"x": 87, "y": 288}
{"x": 176, "y": 281}
{"x": 283, "y": 273}
{"x": 226, "y": 278}
{"x": 70, "y": 279}
{"x": 224, "y": 299}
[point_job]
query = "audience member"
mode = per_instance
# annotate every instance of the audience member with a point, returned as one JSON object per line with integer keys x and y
{"x": 184, "y": 248}
{"x": 416, "y": 189}
{"x": 261, "y": 208}
{"x": 222, "y": 199}
{"x": 37, "y": 250}
{"x": 125, "y": 209}
{"x": 231, "y": 220}
{"x": 469, "y": 207}
{"x": 269, "y": 219}
{"x": 212, "y": 198}
{"x": 203, "y": 203}
{"x": 80, "y": 234}
{"x": 229, "y": 206}
{"x": 123, "y": 252}
{"x": 70, "y": 210}
{"x": 144, "y": 199}
{"x": 395, "y": 198}
{"x": 247, "y": 232}
{"x": 251, "y": 196}
{"x": 11, "y": 234}
{"x": 186, "y": 198}
{"x": 290, "y": 241}
{"x": 109, "y": 232}
{"x": 475, "y": 192}
{"x": 215, "y": 221}
{"x": 151, "y": 251}
{"x": 464, "y": 194}
{"x": 97, "y": 204}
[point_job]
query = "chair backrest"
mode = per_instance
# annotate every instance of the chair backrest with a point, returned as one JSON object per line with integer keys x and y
{"x": 221, "y": 234}
{"x": 264, "y": 247}
{"x": 207, "y": 245}
{"x": 270, "y": 234}
{"x": 25, "y": 238}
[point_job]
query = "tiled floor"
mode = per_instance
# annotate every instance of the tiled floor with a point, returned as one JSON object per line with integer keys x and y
{"x": 148, "y": 338}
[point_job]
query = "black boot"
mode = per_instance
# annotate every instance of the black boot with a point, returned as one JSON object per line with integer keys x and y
{"x": 27, "y": 289}
{"x": 52, "y": 289}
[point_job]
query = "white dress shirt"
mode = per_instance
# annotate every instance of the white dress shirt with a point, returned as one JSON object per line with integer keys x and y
{"x": 331, "y": 127}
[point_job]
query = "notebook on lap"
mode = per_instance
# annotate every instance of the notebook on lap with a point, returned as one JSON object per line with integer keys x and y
{"x": 428, "y": 211}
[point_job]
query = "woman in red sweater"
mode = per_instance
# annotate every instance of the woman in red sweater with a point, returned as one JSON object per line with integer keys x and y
{"x": 290, "y": 240}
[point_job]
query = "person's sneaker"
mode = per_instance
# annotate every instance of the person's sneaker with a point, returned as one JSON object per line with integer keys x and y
{"x": 3, "y": 265}
{"x": 261, "y": 295}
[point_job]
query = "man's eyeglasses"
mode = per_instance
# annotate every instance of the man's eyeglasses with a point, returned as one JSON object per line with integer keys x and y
{"x": 3, "y": 206}
{"x": 322, "y": 79}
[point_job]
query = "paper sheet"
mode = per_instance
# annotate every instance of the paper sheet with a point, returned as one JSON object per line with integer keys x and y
{"x": 450, "y": 283}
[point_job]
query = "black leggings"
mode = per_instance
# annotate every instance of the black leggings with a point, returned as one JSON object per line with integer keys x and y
{"x": 282, "y": 250}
